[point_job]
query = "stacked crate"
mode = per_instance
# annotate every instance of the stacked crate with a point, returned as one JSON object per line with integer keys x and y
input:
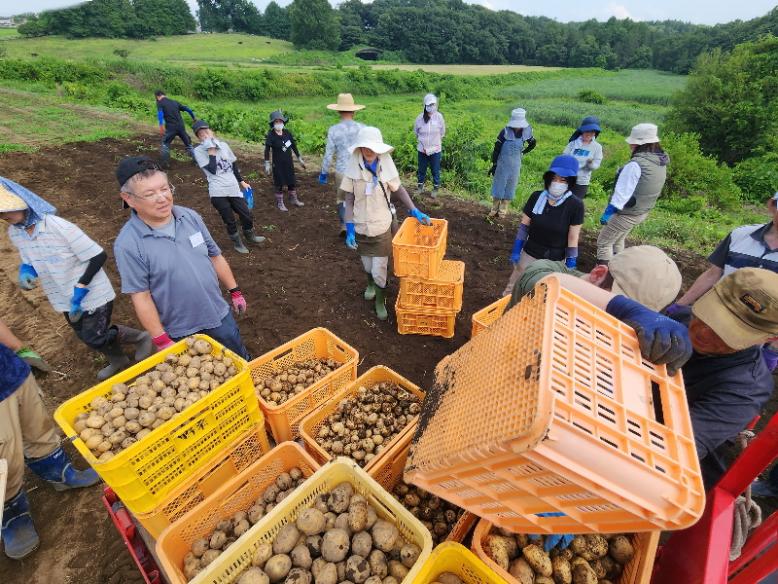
{"x": 430, "y": 287}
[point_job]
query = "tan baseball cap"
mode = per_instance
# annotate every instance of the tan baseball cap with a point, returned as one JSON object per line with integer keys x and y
{"x": 10, "y": 201}
{"x": 646, "y": 274}
{"x": 742, "y": 308}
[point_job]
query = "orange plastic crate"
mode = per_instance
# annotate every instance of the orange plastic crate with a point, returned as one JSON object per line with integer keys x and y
{"x": 233, "y": 460}
{"x": 236, "y": 494}
{"x": 390, "y": 472}
{"x": 485, "y": 317}
{"x": 309, "y": 426}
{"x": 555, "y": 411}
{"x": 418, "y": 249}
{"x": 318, "y": 343}
{"x": 443, "y": 292}
{"x": 425, "y": 321}
{"x": 637, "y": 571}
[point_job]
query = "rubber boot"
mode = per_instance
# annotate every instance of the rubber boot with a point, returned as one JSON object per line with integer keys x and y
{"x": 294, "y": 200}
{"x": 342, "y": 217}
{"x": 141, "y": 339}
{"x": 252, "y": 237}
{"x": 495, "y": 208}
{"x": 237, "y": 244}
{"x": 19, "y": 536}
{"x": 380, "y": 303}
{"x": 117, "y": 360}
{"x": 164, "y": 156}
{"x": 434, "y": 193}
{"x": 370, "y": 290}
{"x": 420, "y": 189}
{"x": 57, "y": 469}
{"x": 502, "y": 209}
{"x": 280, "y": 202}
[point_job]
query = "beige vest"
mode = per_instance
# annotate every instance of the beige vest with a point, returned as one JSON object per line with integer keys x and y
{"x": 371, "y": 211}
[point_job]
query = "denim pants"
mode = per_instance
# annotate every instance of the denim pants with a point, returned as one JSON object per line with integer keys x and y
{"x": 95, "y": 330}
{"x": 433, "y": 162}
{"x": 227, "y": 334}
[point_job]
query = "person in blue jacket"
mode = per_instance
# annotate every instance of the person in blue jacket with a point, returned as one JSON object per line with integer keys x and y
{"x": 171, "y": 125}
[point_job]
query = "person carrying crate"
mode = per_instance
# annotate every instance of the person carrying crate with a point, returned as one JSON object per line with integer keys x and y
{"x": 170, "y": 265}
{"x": 28, "y": 436}
{"x": 69, "y": 266}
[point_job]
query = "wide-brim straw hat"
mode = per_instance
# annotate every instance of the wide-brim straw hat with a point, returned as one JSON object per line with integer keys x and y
{"x": 10, "y": 202}
{"x": 643, "y": 134}
{"x": 345, "y": 104}
{"x": 518, "y": 118}
{"x": 370, "y": 137}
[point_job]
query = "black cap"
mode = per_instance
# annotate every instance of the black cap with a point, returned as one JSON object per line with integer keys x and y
{"x": 199, "y": 125}
{"x": 132, "y": 165}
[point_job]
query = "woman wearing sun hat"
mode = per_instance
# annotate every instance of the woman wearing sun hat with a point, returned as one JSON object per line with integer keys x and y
{"x": 506, "y": 160}
{"x": 639, "y": 184}
{"x": 430, "y": 129}
{"x": 340, "y": 137}
{"x": 587, "y": 151}
{"x": 370, "y": 181}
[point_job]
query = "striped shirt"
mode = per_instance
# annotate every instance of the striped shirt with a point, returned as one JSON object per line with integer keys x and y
{"x": 59, "y": 251}
{"x": 745, "y": 247}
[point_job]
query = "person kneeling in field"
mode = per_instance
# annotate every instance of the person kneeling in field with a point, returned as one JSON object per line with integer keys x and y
{"x": 28, "y": 436}
{"x": 69, "y": 265}
{"x": 225, "y": 184}
{"x": 643, "y": 272}
{"x": 170, "y": 265}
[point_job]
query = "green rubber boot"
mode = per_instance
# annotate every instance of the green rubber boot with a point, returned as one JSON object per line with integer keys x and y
{"x": 380, "y": 303}
{"x": 370, "y": 290}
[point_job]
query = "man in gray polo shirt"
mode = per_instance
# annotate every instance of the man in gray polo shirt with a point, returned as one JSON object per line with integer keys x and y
{"x": 170, "y": 265}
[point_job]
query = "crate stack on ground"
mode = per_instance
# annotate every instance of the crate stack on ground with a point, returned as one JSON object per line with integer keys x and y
{"x": 430, "y": 286}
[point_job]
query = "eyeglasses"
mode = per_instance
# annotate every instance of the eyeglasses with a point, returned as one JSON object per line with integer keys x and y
{"x": 165, "y": 192}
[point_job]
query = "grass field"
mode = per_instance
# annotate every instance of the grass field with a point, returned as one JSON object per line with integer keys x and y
{"x": 8, "y": 33}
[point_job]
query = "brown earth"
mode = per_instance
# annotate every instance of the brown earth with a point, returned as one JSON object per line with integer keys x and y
{"x": 303, "y": 277}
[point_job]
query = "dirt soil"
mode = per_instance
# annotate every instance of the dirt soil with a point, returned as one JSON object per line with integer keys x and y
{"x": 302, "y": 277}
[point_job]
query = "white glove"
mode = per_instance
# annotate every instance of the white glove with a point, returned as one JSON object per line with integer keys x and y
{"x": 267, "y": 167}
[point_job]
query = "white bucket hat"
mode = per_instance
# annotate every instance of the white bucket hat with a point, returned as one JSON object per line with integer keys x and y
{"x": 430, "y": 98}
{"x": 518, "y": 118}
{"x": 643, "y": 134}
{"x": 370, "y": 137}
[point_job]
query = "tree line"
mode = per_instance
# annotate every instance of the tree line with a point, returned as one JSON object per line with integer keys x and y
{"x": 422, "y": 31}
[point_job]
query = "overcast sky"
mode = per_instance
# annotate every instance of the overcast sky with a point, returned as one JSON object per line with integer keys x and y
{"x": 714, "y": 11}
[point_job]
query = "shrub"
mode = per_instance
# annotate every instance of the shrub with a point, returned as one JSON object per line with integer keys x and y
{"x": 757, "y": 177}
{"x": 591, "y": 96}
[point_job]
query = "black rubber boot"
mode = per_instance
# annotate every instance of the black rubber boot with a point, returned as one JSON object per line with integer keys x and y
{"x": 237, "y": 244}
{"x": 252, "y": 237}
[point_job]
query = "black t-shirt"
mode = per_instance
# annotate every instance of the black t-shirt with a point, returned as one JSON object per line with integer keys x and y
{"x": 548, "y": 231}
{"x": 282, "y": 146}
{"x": 171, "y": 110}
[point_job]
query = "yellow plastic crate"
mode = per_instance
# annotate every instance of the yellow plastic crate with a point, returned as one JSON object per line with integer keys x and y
{"x": 486, "y": 317}
{"x": 425, "y": 321}
{"x": 457, "y": 559}
{"x": 149, "y": 470}
{"x": 444, "y": 292}
{"x": 230, "y": 564}
{"x": 418, "y": 249}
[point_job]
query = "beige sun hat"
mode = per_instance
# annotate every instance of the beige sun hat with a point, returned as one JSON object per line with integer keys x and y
{"x": 643, "y": 134}
{"x": 10, "y": 202}
{"x": 370, "y": 137}
{"x": 345, "y": 104}
{"x": 646, "y": 274}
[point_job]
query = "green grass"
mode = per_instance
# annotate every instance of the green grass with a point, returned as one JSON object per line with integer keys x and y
{"x": 193, "y": 48}
{"x": 8, "y": 33}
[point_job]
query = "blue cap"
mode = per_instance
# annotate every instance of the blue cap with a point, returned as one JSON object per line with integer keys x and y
{"x": 590, "y": 124}
{"x": 564, "y": 165}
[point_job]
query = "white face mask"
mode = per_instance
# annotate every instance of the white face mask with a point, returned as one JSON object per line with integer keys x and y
{"x": 557, "y": 189}
{"x": 278, "y": 127}
{"x": 431, "y": 108}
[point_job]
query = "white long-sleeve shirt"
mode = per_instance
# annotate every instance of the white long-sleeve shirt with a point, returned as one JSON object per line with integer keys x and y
{"x": 625, "y": 186}
{"x": 589, "y": 157}
{"x": 430, "y": 134}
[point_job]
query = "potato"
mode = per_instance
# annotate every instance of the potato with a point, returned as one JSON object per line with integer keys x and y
{"x": 409, "y": 553}
{"x": 311, "y": 521}
{"x": 357, "y": 515}
{"x": 93, "y": 442}
{"x": 286, "y": 539}
{"x": 561, "y": 570}
{"x": 521, "y": 570}
{"x": 253, "y": 576}
{"x": 241, "y": 527}
{"x": 537, "y": 559}
{"x": 397, "y": 570}
{"x": 583, "y": 574}
{"x": 544, "y": 580}
{"x": 372, "y": 580}
{"x": 385, "y": 535}
{"x": 378, "y": 564}
{"x": 270, "y": 494}
{"x": 330, "y": 518}
{"x": 146, "y": 419}
{"x": 298, "y": 576}
{"x": 342, "y": 523}
{"x": 313, "y": 543}
{"x": 192, "y": 570}
{"x": 301, "y": 557}
{"x": 357, "y": 569}
{"x": 340, "y": 498}
{"x": 500, "y": 549}
{"x": 95, "y": 421}
{"x": 328, "y": 574}
{"x": 278, "y": 567}
{"x": 361, "y": 544}
{"x": 202, "y": 347}
{"x": 284, "y": 481}
{"x": 620, "y": 549}
{"x": 449, "y": 578}
{"x": 255, "y": 513}
{"x": 132, "y": 427}
{"x": 335, "y": 545}
{"x": 209, "y": 557}
{"x": 262, "y": 554}
{"x": 218, "y": 539}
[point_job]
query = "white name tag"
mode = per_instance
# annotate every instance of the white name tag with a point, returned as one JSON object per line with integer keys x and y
{"x": 288, "y": 143}
{"x": 196, "y": 239}
{"x": 369, "y": 188}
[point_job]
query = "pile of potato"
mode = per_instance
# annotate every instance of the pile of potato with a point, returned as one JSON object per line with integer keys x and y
{"x": 590, "y": 559}
{"x": 206, "y": 549}
{"x": 366, "y": 421}
{"x": 437, "y": 515}
{"x": 131, "y": 413}
{"x": 293, "y": 380}
{"x": 339, "y": 540}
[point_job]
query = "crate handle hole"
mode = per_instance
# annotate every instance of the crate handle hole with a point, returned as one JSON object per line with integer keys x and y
{"x": 656, "y": 394}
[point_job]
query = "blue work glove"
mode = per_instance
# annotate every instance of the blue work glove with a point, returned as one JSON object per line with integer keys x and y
{"x": 351, "y": 236}
{"x": 661, "y": 339}
{"x": 571, "y": 257}
{"x": 421, "y": 217}
{"x": 27, "y": 277}
{"x": 571, "y": 263}
{"x": 607, "y": 214}
{"x": 516, "y": 251}
{"x": 770, "y": 357}
{"x": 561, "y": 540}
{"x": 675, "y": 309}
{"x": 76, "y": 312}
{"x": 323, "y": 178}
{"x": 248, "y": 194}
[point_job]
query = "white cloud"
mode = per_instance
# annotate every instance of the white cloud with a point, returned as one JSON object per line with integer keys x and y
{"x": 619, "y": 11}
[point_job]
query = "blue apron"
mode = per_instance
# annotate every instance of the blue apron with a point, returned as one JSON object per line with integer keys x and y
{"x": 506, "y": 175}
